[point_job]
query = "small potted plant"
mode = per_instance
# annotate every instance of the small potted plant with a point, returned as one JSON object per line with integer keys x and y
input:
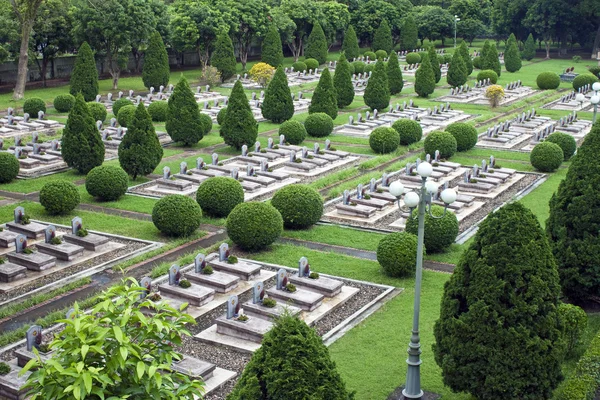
{"x": 25, "y": 220}
{"x": 232, "y": 260}
{"x": 56, "y": 240}
{"x": 242, "y": 318}
{"x": 298, "y": 161}
{"x": 4, "y": 368}
{"x": 27, "y": 250}
{"x": 290, "y": 287}
{"x": 208, "y": 270}
{"x": 184, "y": 283}
{"x": 154, "y": 297}
{"x": 82, "y": 232}
{"x": 269, "y": 302}
{"x": 314, "y": 275}
{"x": 44, "y": 348}
{"x": 472, "y": 180}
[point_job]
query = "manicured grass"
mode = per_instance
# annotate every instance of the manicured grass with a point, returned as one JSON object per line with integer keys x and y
{"x": 36, "y": 184}
{"x": 537, "y": 201}
{"x": 126, "y": 202}
{"x": 338, "y": 236}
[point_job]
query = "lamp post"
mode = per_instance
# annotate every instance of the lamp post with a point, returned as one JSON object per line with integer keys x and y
{"x": 595, "y": 99}
{"x": 456, "y": 19}
{"x": 580, "y": 97}
{"x": 422, "y": 199}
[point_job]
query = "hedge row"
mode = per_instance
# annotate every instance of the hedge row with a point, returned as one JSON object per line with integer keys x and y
{"x": 585, "y": 381}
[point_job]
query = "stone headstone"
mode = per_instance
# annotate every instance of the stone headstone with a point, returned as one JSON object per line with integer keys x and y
{"x": 20, "y": 243}
{"x": 292, "y": 155}
{"x": 385, "y": 180}
{"x": 199, "y": 263}
{"x": 264, "y": 166}
{"x": 1, "y": 143}
{"x": 270, "y": 143}
{"x": 49, "y": 233}
{"x": 258, "y": 292}
{"x": 316, "y": 148}
{"x": 183, "y": 168}
{"x": 436, "y": 156}
{"x": 166, "y": 172}
{"x": 33, "y": 337}
{"x": 18, "y": 152}
{"x": 215, "y": 158}
{"x": 304, "y": 152}
{"x": 99, "y": 125}
{"x": 37, "y": 148}
{"x": 492, "y": 162}
{"x": 303, "y": 268}
{"x": 257, "y": 147}
{"x": 18, "y": 141}
{"x": 372, "y": 185}
{"x": 281, "y": 140}
{"x": 244, "y": 151}
{"x": 34, "y": 137}
{"x": 346, "y": 197}
{"x": 223, "y": 252}
{"x": 76, "y": 225}
{"x": 71, "y": 314}
{"x": 18, "y": 214}
{"x": 174, "y": 275}
{"x": 200, "y": 163}
{"x": 10, "y": 111}
{"x": 249, "y": 170}
{"x": 98, "y": 98}
{"x": 282, "y": 279}
{"x": 41, "y": 114}
{"x": 359, "y": 191}
{"x": 235, "y": 174}
{"x": 327, "y": 144}
{"x": 233, "y": 307}
{"x": 146, "y": 283}
{"x": 26, "y": 117}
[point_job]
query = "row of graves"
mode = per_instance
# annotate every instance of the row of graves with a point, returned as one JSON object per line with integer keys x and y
{"x": 513, "y": 91}
{"x": 261, "y": 172}
{"x": 480, "y": 188}
{"x": 113, "y": 134}
{"x": 234, "y": 302}
{"x": 500, "y": 55}
{"x": 360, "y": 81}
{"x": 570, "y": 102}
{"x": 32, "y": 252}
{"x": 411, "y": 69}
{"x": 528, "y": 129}
{"x": 402, "y": 54}
{"x": 12, "y": 125}
{"x": 294, "y": 78}
{"x": 431, "y": 119}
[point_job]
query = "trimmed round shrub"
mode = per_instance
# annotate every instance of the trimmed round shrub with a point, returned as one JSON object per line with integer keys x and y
{"x": 126, "y": 115}
{"x": 254, "y": 225}
{"x": 300, "y": 206}
{"x": 441, "y": 58}
{"x": 381, "y": 54}
{"x": 574, "y": 321}
{"x": 546, "y": 157}
{"x": 351, "y": 68}
{"x": 397, "y": 254}
{"x": 117, "y": 104}
{"x": 465, "y": 135}
{"x": 59, "y": 197}
{"x": 548, "y": 80}
{"x": 410, "y": 131}
{"x": 566, "y": 142}
{"x": 294, "y": 132}
{"x": 369, "y": 67}
{"x": 158, "y": 111}
{"x": 34, "y": 105}
{"x": 359, "y": 67}
{"x": 447, "y": 58}
{"x": 583, "y": 79}
{"x": 219, "y": 195}
{"x": 477, "y": 62}
{"x": 98, "y": 111}
{"x": 594, "y": 70}
{"x": 488, "y": 73}
{"x": 413, "y": 58}
{"x": 318, "y": 125}
{"x": 372, "y": 56}
{"x": 221, "y": 115}
{"x": 205, "y": 123}
{"x": 176, "y": 215}
{"x": 439, "y": 233}
{"x": 384, "y": 140}
{"x": 299, "y": 66}
{"x": 442, "y": 141}
{"x": 9, "y": 167}
{"x": 311, "y": 63}
{"x": 107, "y": 182}
{"x": 64, "y": 102}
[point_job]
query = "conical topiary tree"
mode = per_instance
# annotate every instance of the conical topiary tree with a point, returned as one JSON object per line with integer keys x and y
{"x": 278, "y": 105}
{"x": 292, "y": 363}
{"x": 457, "y": 72}
{"x": 223, "y": 58}
{"x": 239, "y": 128}
{"x": 529, "y": 50}
{"x": 491, "y": 60}
{"x": 183, "y": 122}
{"x": 409, "y": 35}
{"x": 377, "y": 92}
{"x": 82, "y": 147}
{"x": 316, "y": 44}
{"x": 463, "y": 49}
{"x": 499, "y": 321}
{"x": 272, "y": 51}
{"x": 140, "y": 151}
{"x": 394, "y": 74}
{"x": 573, "y": 222}
{"x": 484, "y": 52}
{"x": 435, "y": 64}
{"x": 84, "y": 78}
{"x": 424, "y": 78}
{"x": 324, "y": 98}
{"x": 350, "y": 44}
{"x": 512, "y": 57}
{"x": 156, "y": 72}
{"x": 342, "y": 82}
{"x": 382, "y": 39}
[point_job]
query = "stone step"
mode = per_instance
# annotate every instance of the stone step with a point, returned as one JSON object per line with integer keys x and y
{"x": 7, "y": 238}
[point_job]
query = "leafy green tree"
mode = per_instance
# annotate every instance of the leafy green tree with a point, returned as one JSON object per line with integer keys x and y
{"x": 294, "y": 19}
{"x": 409, "y": 34}
{"x": 503, "y": 296}
{"x": 394, "y": 74}
{"x": 342, "y": 82}
{"x": 278, "y": 105}
{"x": 435, "y": 63}
{"x": 434, "y": 23}
{"x": 183, "y": 122}
{"x": 82, "y": 146}
{"x": 424, "y": 78}
{"x": 457, "y": 72}
{"x": 334, "y": 20}
{"x": 324, "y": 98}
{"x": 370, "y": 13}
{"x": 140, "y": 151}
{"x": 116, "y": 352}
{"x": 382, "y": 40}
{"x": 466, "y": 57}
{"x": 545, "y": 18}
{"x": 350, "y": 44}
{"x": 223, "y": 58}
{"x": 512, "y": 57}
{"x": 316, "y": 45}
{"x": 377, "y": 92}
{"x": 157, "y": 12}
{"x": 272, "y": 52}
{"x": 469, "y": 29}
{"x": 84, "y": 79}
{"x": 529, "y": 51}
{"x": 491, "y": 60}
{"x": 508, "y": 16}
{"x": 251, "y": 22}
{"x": 156, "y": 72}
{"x": 239, "y": 128}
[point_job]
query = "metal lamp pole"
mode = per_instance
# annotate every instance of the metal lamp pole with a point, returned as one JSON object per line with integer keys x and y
{"x": 595, "y": 99}
{"x": 456, "y": 19}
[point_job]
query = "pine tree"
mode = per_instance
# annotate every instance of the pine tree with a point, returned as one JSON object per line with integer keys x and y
{"x": 183, "y": 122}
{"x": 512, "y": 58}
{"x": 140, "y": 151}
{"x": 491, "y": 60}
{"x": 272, "y": 51}
{"x": 316, "y": 44}
{"x": 382, "y": 40}
{"x": 484, "y": 52}
{"x": 409, "y": 35}
{"x": 342, "y": 82}
{"x": 424, "y": 78}
{"x": 82, "y": 146}
{"x": 239, "y": 128}
{"x": 394, "y": 74}
{"x": 435, "y": 63}
{"x": 156, "y": 72}
{"x": 464, "y": 53}
{"x": 278, "y": 105}
{"x": 457, "y": 72}
{"x": 324, "y": 98}
{"x": 223, "y": 58}
{"x": 350, "y": 44}
{"x": 84, "y": 79}
{"x": 501, "y": 300}
{"x": 377, "y": 92}
{"x": 529, "y": 51}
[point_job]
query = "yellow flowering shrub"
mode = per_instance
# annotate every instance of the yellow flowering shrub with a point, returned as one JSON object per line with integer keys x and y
{"x": 261, "y": 73}
{"x": 495, "y": 94}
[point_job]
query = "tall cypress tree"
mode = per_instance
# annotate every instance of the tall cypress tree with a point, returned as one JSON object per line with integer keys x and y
{"x": 272, "y": 51}
{"x": 155, "y": 71}
{"x": 464, "y": 52}
{"x": 278, "y": 105}
{"x": 316, "y": 44}
{"x": 183, "y": 122}
{"x": 84, "y": 79}
{"x": 324, "y": 98}
{"x": 382, "y": 40}
{"x": 529, "y": 51}
{"x": 82, "y": 146}
{"x": 342, "y": 82}
{"x": 350, "y": 44}
{"x": 457, "y": 72}
{"x": 140, "y": 151}
{"x": 512, "y": 58}
{"x": 394, "y": 74}
{"x": 435, "y": 63}
{"x": 409, "y": 35}
{"x": 239, "y": 128}
{"x": 377, "y": 92}
{"x": 484, "y": 51}
{"x": 223, "y": 58}
{"x": 424, "y": 78}
{"x": 491, "y": 60}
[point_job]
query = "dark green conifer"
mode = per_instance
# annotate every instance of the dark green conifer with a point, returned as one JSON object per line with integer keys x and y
{"x": 324, "y": 98}
{"x": 394, "y": 74}
{"x": 464, "y": 52}
{"x": 239, "y": 128}
{"x": 223, "y": 58}
{"x": 342, "y": 82}
{"x": 457, "y": 72}
{"x": 409, "y": 35}
{"x": 156, "y": 72}
{"x": 435, "y": 63}
{"x": 424, "y": 78}
{"x": 272, "y": 51}
{"x": 491, "y": 60}
{"x": 316, "y": 45}
{"x": 512, "y": 57}
{"x": 278, "y": 105}
{"x": 183, "y": 122}
{"x": 84, "y": 78}
{"x": 529, "y": 51}
{"x": 377, "y": 92}
{"x": 382, "y": 39}
{"x": 350, "y": 44}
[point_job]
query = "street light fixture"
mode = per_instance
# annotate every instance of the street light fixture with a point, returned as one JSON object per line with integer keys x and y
{"x": 456, "y": 19}
{"x": 580, "y": 97}
{"x": 595, "y": 99}
{"x": 422, "y": 198}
